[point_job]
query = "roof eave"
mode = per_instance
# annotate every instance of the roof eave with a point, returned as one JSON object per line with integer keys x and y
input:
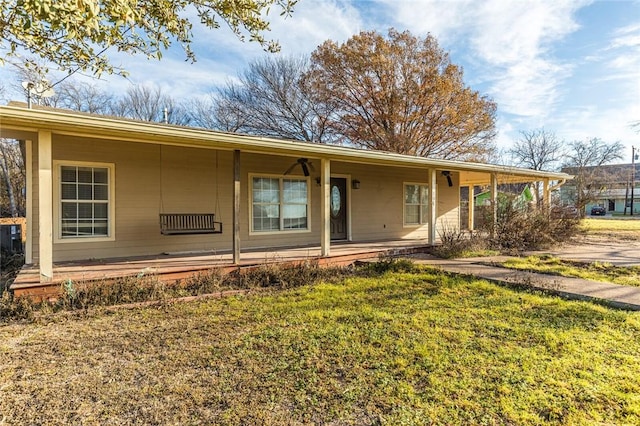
{"x": 19, "y": 120}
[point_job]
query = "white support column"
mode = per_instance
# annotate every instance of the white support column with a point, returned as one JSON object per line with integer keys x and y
{"x": 45, "y": 207}
{"x": 236, "y": 207}
{"x": 546, "y": 194}
{"x": 433, "y": 206}
{"x": 325, "y": 207}
{"x": 472, "y": 207}
{"x": 494, "y": 203}
{"x": 28, "y": 163}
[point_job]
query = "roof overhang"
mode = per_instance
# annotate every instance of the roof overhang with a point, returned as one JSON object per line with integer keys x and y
{"x": 22, "y": 123}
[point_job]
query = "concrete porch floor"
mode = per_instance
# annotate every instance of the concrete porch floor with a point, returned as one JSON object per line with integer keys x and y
{"x": 173, "y": 267}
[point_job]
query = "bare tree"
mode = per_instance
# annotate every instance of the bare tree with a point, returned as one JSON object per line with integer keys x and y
{"x": 272, "y": 100}
{"x": 213, "y": 112}
{"x": 538, "y": 150}
{"x": 142, "y": 102}
{"x": 585, "y": 161}
{"x": 12, "y": 180}
{"x": 84, "y": 97}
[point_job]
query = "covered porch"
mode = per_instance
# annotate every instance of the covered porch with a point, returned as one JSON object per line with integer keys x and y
{"x": 98, "y": 188}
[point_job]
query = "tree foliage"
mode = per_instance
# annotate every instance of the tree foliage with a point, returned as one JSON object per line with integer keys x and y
{"x": 75, "y": 34}
{"x": 402, "y": 94}
{"x": 270, "y": 99}
{"x": 585, "y": 161}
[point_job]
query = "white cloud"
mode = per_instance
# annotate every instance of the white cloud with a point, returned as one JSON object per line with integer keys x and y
{"x": 315, "y": 21}
{"x": 515, "y": 38}
{"x": 509, "y": 42}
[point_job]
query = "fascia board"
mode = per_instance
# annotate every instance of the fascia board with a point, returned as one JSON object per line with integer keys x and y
{"x": 30, "y": 120}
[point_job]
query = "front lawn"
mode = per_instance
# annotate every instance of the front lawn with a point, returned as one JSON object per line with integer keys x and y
{"x": 597, "y": 271}
{"x": 403, "y": 348}
{"x": 629, "y": 228}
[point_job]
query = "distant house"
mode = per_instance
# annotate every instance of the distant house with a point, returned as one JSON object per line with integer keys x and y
{"x": 610, "y": 185}
{"x": 103, "y": 189}
{"x": 523, "y": 198}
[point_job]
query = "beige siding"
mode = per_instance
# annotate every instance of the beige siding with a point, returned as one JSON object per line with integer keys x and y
{"x": 448, "y": 203}
{"x": 377, "y": 208}
{"x": 190, "y": 184}
{"x": 150, "y": 179}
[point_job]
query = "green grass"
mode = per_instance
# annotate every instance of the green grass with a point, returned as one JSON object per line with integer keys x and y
{"x": 610, "y": 225}
{"x": 597, "y": 271}
{"x": 403, "y": 348}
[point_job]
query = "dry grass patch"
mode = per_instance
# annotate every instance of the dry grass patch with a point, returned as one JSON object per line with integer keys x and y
{"x": 399, "y": 348}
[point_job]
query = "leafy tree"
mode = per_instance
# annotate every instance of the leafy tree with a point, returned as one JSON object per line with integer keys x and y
{"x": 271, "y": 100}
{"x": 76, "y": 34}
{"x": 585, "y": 161}
{"x": 538, "y": 150}
{"x": 402, "y": 94}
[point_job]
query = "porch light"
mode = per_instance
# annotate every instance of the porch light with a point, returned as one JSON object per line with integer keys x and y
{"x": 355, "y": 184}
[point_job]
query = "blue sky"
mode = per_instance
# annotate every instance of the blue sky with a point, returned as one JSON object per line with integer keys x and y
{"x": 570, "y": 66}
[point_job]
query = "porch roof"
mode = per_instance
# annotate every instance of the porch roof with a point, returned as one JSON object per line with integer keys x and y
{"x": 19, "y": 122}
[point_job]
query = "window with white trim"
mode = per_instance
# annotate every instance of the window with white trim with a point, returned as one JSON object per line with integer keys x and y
{"x": 279, "y": 204}
{"x": 85, "y": 197}
{"x": 416, "y": 204}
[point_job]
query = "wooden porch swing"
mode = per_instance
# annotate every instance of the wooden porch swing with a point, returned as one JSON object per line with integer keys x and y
{"x": 188, "y": 223}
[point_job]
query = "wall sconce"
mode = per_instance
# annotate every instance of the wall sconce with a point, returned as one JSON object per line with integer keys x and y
{"x": 355, "y": 184}
{"x": 318, "y": 181}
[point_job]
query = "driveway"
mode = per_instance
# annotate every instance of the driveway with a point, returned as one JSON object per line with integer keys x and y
{"x": 600, "y": 248}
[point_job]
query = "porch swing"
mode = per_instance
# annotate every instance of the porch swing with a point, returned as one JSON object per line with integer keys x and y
{"x": 189, "y": 223}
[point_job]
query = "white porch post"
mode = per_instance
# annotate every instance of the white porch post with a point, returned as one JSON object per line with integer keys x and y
{"x": 45, "y": 207}
{"x": 236, "y": 207}
{"x": 28, "y": 250}
{"x": 494, "y": 203}
{"x": 433, "y": 206}
{"x": 472, "y": 207}
{"x": 546, "y": 194}
{"x": 325, "y": 207}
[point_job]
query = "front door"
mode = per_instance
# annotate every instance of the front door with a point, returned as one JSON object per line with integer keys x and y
{"x": 338, "y": 208}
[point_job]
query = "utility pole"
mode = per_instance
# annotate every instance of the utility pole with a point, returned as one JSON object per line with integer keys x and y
{"x": 633, "y": 174}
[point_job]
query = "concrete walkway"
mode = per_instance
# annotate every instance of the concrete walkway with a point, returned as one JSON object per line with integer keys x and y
{"x": 618, "y": 296}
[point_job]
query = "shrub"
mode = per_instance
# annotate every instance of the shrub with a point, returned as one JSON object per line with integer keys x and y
{"x": 76, "y": 296}
{"x": 385, "y": 264}
{"x": 15, "y": 309}
{"x": 521, "y": 229}
{"x": 455, "y": 242}
{"x": 285, "y": 276}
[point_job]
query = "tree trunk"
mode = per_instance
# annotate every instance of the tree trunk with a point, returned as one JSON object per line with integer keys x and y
{"x": 6, "y": 176}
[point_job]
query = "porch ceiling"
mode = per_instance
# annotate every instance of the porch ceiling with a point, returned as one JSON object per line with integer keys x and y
{"x": 22, "y": 123}
{"x": 477, "y": 178}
